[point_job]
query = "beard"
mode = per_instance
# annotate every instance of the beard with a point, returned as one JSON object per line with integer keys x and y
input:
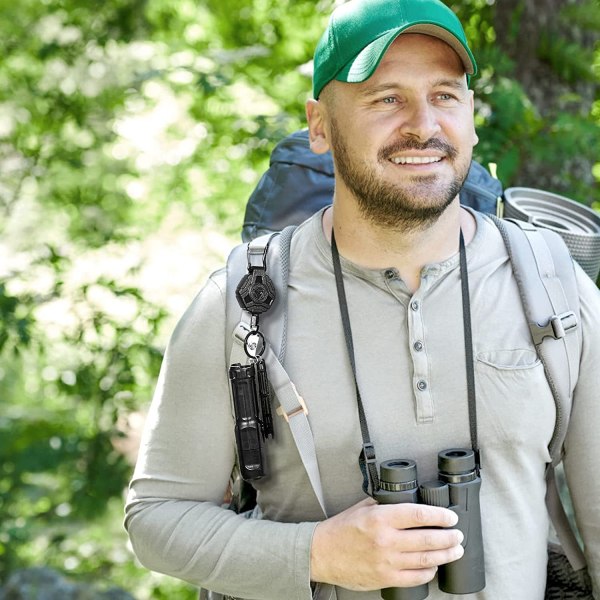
{"x": 410, "y": 206}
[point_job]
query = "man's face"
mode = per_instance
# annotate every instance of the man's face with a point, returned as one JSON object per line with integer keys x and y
{"x": 402, "y": 140}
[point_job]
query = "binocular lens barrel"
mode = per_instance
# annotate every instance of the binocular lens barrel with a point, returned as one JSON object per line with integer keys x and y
{"x": 397, "y": 485}
{"x": 457, "y": 469}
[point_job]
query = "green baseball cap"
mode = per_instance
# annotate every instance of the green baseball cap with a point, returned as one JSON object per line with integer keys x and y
{"x": 360, "y": 32}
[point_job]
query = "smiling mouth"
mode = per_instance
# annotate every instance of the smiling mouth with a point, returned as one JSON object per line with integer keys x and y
{"x": 415, "y": 160}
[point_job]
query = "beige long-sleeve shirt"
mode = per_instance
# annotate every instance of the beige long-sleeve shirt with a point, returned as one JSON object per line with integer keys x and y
{"x": 411, "y": 372}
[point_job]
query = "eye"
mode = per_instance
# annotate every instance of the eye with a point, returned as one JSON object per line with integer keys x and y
{"x": 446, "y": 97}
{"x": 389, "y": 100}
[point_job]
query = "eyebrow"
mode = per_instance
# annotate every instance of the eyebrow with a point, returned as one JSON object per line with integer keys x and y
{"x": 457, "y": 84}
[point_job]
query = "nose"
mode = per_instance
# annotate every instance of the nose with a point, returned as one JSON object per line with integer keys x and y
{"x": 420, "y": 121}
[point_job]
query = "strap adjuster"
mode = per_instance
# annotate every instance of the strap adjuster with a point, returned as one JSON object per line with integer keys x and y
{"x": 557, "y": 327}
{"x": 300, "y": 409}
{"x": 369, "y": 453}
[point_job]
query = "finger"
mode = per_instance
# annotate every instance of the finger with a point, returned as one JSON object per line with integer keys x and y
{"x": 417, "y": 540}
{"x": 411, "y": 577}
{"x": 366, "y": 502}
{"x": 427, "y": 560}
{"x": 404, "y": 516}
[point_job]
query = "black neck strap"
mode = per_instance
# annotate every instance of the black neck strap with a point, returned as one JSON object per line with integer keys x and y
{"x": 367, "y": 459}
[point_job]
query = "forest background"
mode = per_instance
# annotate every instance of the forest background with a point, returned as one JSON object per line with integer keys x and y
{"x": 131, "y": 134}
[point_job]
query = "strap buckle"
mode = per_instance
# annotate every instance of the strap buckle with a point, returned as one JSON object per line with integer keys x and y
{"x": 300, "y": 409}
{"x": 369, "y": 453}
{"x": 368, "y": 467}
{"x": 557, "y": 327}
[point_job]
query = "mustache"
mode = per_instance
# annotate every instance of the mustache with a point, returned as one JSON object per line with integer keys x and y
{"x": 410, "y": 144}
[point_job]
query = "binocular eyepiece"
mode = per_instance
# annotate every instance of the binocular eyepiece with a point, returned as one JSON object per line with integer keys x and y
{"x": 456, "y": 488}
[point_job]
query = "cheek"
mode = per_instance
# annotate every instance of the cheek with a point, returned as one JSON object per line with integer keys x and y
{"x": 470, "y": 136}
{"x": 364, "y": 140}
{"x": 465, "y": 136}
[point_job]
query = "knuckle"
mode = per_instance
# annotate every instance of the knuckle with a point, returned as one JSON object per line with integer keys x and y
{"x": 426, "y": 560}
{"x": 376, "y": 520}
{"x": 420, "y": 514}
{"x": 381, "y": 570}
{"x": 380, "y": 541}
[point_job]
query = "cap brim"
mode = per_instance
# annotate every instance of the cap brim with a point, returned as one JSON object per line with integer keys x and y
{"x": 363, "y": 65}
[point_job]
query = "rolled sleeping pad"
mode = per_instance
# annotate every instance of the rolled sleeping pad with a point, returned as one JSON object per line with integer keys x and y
{"x": 578, "y": 225}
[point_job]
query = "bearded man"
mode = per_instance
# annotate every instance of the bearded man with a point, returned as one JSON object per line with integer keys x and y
{"x": 392, "y": 102}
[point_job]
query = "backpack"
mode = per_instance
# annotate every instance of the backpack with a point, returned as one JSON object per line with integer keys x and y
{"x": 297, "y": 184}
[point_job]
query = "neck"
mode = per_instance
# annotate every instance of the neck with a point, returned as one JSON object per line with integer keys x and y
{"x": 369, "y": 245}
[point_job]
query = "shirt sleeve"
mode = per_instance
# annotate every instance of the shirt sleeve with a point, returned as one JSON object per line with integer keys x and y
{"x": 174, "y": 514}
{"x": 582, "y": 444}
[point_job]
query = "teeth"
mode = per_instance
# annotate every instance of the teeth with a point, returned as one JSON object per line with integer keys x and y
{"x": 415, "y": 160}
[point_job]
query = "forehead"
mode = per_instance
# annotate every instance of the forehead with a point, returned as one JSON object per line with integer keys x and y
{"x": 419, "y": 55}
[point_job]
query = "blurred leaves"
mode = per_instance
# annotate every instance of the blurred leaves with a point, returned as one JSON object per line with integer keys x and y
{"x": 15, "y": 321}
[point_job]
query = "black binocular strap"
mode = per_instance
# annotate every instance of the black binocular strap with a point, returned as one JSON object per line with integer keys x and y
{"x": 367, "y": 459}
{"x": 468, "y": 335}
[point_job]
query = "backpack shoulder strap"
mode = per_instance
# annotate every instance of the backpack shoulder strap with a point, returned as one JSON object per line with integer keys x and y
{"x": 545, "y": 276}
{"x": 275, "y": 248}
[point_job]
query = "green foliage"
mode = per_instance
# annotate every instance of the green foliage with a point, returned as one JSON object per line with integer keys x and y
{"x": 506, "y": 122}
{"x": 584, "y": 14}
{"x": 556, "y": 141}
{"x": 60, "y": 84}
{"x": 477, "y": 19}
{"x": 68, "y": 396}
{"x": 570, "y": 61}
{"x": 15, "y": 321}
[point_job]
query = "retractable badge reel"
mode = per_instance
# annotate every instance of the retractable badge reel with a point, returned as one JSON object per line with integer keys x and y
{"x": 256, "y": 294}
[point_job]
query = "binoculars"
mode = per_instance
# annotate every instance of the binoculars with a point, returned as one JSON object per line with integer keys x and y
{"x": 456, "y": 488}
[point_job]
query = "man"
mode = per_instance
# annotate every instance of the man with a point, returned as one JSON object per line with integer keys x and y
{"x": 392, "y": 103}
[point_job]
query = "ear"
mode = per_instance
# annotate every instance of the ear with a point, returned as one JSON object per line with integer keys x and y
{"x": 317, "y": 130}
{"x": 472, "y": 100}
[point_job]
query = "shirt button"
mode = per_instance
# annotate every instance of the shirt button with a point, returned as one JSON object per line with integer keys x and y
{"x": 418, "y": 346}
{"x": 414, "y": 305}
{"x": 421, "y": 385}
{"x": 390, "y": 274}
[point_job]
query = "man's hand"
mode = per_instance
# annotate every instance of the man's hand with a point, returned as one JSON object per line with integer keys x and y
{"x": 371, "y": 546}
